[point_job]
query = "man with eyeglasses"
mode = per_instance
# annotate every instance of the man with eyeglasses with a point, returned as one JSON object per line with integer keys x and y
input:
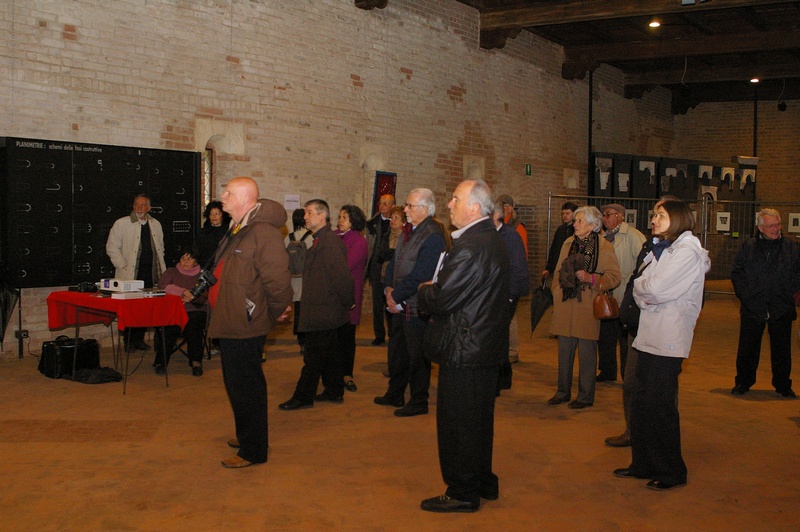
{"x": 414, "y": 262}
{"x": 766, "y": 276}
{"x": 627, "y": 242}
{"x": 378, "y": 254}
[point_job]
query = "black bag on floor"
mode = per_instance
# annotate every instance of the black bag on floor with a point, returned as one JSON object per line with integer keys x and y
{"x": 56, "y": 359}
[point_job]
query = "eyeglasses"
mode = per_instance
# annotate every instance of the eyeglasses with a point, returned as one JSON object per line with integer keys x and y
{"x": 385, "y": 203}
{"x": 772, "y": 226}
{"x": 607, "y": 214}
{"x": 412, "y": 206}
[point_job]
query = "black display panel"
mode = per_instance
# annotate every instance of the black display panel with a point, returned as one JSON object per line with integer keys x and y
{"x": 60, "y": 199}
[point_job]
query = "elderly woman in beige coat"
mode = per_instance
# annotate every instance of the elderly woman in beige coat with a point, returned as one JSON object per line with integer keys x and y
{"x": 585, "y": 260}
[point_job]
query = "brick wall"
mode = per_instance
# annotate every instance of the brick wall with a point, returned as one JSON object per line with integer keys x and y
{"x": 300, "y": 94}
{"x": 716, "y": 132}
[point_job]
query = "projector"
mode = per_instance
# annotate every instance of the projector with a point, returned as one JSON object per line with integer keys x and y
{"x": 118, "y": 285}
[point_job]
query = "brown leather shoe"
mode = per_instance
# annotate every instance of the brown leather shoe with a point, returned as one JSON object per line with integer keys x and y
{"x": 235, "y": 462}
{"x": 233, "y": 442}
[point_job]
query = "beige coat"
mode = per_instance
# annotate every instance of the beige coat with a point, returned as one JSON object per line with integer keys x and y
{"x": 576, "y": 319}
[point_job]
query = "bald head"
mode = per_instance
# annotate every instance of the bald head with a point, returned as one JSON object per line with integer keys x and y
{"x": 240, "y": 195}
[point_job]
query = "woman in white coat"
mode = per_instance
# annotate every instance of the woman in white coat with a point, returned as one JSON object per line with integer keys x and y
{"x": 670, "y": 294}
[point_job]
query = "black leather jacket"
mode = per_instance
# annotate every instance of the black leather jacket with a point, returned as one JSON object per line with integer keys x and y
{"x": 468, "y": 304}
{"x": 765, "y": 276}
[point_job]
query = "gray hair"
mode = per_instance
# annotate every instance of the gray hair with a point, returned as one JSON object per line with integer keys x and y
{"x": 320, "y": 205}
{"x": 498, "y": 207}
{"x": 426, "y": 199}
{"x": 593, "y": 217}
{"x": 767, "y": 212}
{"x": 482, "y": 195}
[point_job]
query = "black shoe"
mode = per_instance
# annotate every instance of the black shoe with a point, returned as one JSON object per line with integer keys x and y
{"x": 197, "y": 371}
{"x": 556, "y": 400}
{"x": 605, "y": 378}
{"x": 443, "y": 503}
{"x": 492, "y": 495}
{"x": 409, "y": 411}
{"x": 385, "y": 401}
{"x": 378, "y": 341}
{"x": 139, "y": 344}
{"x": 739, "y": 390}
{"x": 350, "y": 386}
{"x": 788, "y": 393}
{"x": 577, "y": 405}
{"x": 325, "y": 396}
{"x": 294, "y": 404}
{"x": 663, "y": 486}
{"x": 625, "y": 473}
{"x": 159, "y": 369}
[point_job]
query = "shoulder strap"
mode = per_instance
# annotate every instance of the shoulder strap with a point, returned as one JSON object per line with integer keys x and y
{"x": 307, "y": 234}
{"x": 291, "y": 237}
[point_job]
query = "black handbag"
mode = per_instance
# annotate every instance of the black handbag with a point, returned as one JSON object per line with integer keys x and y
{"x": 57, "y": 356}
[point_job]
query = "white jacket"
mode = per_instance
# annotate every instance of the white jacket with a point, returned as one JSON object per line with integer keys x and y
{"x": 670, "y": 294}
{"x": 122, "y": 246}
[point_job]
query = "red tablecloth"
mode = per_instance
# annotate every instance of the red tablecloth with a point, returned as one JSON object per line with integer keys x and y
{"x": 62, "y": 310}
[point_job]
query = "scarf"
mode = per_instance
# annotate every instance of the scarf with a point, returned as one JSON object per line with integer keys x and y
{"x": 407, "y": 229}
{"x": 583, "y": 255}
{"x": 611, "y": 234}
{"x": 659, "y": 247}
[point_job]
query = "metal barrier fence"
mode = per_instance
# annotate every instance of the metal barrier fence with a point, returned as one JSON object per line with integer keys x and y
{"x": 722, "y": 226}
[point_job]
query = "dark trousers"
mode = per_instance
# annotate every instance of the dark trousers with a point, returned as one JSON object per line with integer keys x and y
{"x": 655, "y": 422}
{"x": 193, "y": 333}
{"x": 322, "y": 359}
{"x": 611, "y": 334}
{"x": 296, "y": 322}
{"x": 378, "y": 301}
{"x": 749, "y": 353}
{"x": 247, "y": 391}
{"x": 506, "y": 374}
{"x": 347, "y": 341}
{"x": 144, "y": 274}
{"x": 134, "y": 335}
{"x": 630, "y": 382}
{"x": 407, "y": 363}
{"x": 465, "y": 430}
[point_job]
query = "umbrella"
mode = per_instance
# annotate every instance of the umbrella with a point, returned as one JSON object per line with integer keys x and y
{"x": 540, "y": 301}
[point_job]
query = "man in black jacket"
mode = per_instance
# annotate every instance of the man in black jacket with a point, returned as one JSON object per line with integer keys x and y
{"x": 468, "y": 304}
{"x": 564, "y": 231}
{"x": 766, "y": 275}
{"x": 378, "y": 240}
{"x": 328, "y": 295}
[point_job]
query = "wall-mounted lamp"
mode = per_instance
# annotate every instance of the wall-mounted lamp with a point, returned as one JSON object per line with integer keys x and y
{"x": 755, "y": 80}
{"x": 655, "y": 23}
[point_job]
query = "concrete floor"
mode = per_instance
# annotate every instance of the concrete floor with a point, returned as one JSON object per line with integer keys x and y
{"x": 85, "y": 457}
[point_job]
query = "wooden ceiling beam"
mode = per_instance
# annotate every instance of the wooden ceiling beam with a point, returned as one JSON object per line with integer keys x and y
{"x": 714, "y": 75}
{"x": 570, "y": 11}
{"x": 697, "y": 46}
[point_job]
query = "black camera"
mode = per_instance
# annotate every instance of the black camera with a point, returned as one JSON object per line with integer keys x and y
{"x": 205, "y": 281}
{"x": 84, "y": 286}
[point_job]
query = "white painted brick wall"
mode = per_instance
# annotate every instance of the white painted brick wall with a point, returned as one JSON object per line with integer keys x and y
{"x": 311, "y": 83}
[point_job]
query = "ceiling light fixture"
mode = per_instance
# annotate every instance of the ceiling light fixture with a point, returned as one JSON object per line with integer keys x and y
{"x": 655, "y": 23}
{"x": 755, "y": 80}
